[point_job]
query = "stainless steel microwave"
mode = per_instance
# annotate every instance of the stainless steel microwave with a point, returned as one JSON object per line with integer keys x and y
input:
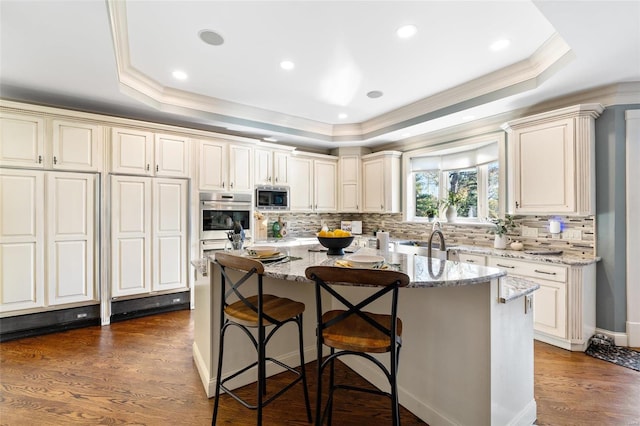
{"x": 272, "y": 197}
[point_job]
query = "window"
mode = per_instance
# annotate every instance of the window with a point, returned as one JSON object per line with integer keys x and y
{"x": 469, "y": 170}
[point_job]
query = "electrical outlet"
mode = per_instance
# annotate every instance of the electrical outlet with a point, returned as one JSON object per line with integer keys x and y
{"x": 572, "y": 234}
{"x": 529, "y": 232}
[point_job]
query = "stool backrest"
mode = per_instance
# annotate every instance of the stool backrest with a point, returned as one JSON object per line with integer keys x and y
{"x": 327, "y": 278}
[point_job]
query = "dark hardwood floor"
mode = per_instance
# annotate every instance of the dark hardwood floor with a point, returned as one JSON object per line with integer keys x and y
{"x": 141, "y": 372}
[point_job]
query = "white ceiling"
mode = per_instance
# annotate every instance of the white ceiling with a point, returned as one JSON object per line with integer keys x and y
{"x": 117, "y": 57}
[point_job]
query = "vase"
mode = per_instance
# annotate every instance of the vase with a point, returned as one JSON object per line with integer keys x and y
{"x": 451, "y": 213}
{"x": 500, "y": 242}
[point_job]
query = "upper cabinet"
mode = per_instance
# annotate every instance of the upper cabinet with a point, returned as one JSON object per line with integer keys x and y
{"x": 224, "y": 166}
{"x": 350, "y": 185}
{"x": 314, "y": 186}
{"x": 381, "y": 182}
{"x": 69, "y": 145}
{"x": 552, "y": 162}
{"x": 271, "y": 166}
{"x": 144, "y": 153}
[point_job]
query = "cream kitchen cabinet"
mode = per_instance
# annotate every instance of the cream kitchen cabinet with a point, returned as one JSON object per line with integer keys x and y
{"x": 475, "y": 259}
{"x": 315, "y": 183}
{"x": 48, "y": 238}
{"x": 148, "y": 235}
{"x": 552, "y": 163}
{"x": 381, "y": 182}
{"x": 69, "y": 145}
{"x": 564, "y": 305}
{"x": 349, "y": 183}
{"x": 225, "y": 166}
{"x": 271, "y": 167}
{"x": 139, "y": 152}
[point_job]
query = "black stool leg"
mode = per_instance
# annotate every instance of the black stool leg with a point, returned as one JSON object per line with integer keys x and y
{"x": 302, "y": 367}
{"x": 261, "y": 371}
{"x": 218, "y": 375}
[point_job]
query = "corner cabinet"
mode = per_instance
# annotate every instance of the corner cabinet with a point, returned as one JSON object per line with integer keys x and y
{"x": 564, "y": 307}
{"x": 314, "y": 187}
{"x": 148, "y": 235}
{"x": 224, "y": 166}
{"x": 47, "y": 240}
{"x": 552, "y": 162}
{"x": 381, "y": 182}
{"x": 144, "y": 153}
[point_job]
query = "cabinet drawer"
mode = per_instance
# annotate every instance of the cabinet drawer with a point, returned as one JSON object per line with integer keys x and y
{"x": 530, "y": 269}
{"x": 475, "y": 259}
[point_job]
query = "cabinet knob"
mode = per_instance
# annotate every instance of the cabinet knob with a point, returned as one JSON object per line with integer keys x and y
{"x": 157, "y": 168}
{"x": 231, "y": 185}
{"x": 39, "y": 159}
{"x": 55, "y": 160}
{"x": 517, "y": 204}
{"x": 276, "y": 179}
{"x": 147, "y": 166}
{"x": 223, "y": 184}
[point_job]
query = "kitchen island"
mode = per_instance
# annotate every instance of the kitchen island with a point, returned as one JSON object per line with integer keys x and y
{"x": 467, "y": 355}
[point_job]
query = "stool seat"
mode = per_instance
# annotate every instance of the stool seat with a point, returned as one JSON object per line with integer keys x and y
{"x": 278, "y": 308}
{"x": 355, "y": 334}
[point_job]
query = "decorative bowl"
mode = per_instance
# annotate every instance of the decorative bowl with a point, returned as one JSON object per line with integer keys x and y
{"x": 261, "y": 251}
{"x": 335, "y": 245}
{"x": 365, "y": 261}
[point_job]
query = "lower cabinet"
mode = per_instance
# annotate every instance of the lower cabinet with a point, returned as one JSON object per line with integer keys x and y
{"x": 564, "y": 305}
{"x": 47, "y": 240}
{"x": 148, "y": 235}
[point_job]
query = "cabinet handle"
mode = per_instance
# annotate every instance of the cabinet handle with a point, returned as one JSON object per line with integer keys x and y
{"x": 147, "y": 166}
{"x": 223, "y": 184}
{"x": 381, "y": 207}
{"x": 157, "y": 168}
{"x": 517, "y": 204}
{"x": 544, "y": 272}
{"x": 231, "y": 185}
{"x": 471, "y": 261}
{"x": 268, "y": 178}
{"x": 55, "y": 160}
{"x": 39, "y": 159}
{"x": 276, "y": 179}
{"x": 505, "y": 266}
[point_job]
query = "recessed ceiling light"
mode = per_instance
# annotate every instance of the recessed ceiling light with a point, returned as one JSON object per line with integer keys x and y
{"x": 500, "y": 44}
{"x": 374, "y": 94}
{"x": 270, "y": 139}
{"x": 406, "y": 31}
{"x": 287, "y": 65}
{"x": 211, "y": 37}
{"x": 179, "y": 75}
{"x": 342, "y": 116}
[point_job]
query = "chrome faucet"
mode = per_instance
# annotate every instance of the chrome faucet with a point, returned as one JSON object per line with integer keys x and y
{"x": 442, "y": 243}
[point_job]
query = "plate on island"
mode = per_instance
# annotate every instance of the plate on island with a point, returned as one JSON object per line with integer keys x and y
{"x": 269, "y": 258}
{"x": 365, "y": 261}
{"x": 262, "y": 251}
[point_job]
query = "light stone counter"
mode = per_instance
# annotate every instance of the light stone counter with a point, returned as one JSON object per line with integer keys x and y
{"x": 561, "y": 259}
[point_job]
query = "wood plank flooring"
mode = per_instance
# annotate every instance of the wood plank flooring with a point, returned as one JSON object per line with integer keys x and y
{"x": 141, "y": 372}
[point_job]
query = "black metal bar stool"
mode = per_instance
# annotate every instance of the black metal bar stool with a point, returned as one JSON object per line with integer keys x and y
{"x": 356, "y": 332}
{"x": 257, "y": 311}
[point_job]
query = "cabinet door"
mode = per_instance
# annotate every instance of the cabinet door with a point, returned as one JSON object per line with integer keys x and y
{"x": 280, "y": 168}
{"x": 70, "y": 237}
{"x": 373, "y": 178}
{"x": 550, "y": 308}
{"x": 263, "y": 161}
{"x": 349, "y": 183}
{"x": 240, "y": 164}
{"x": 171, "y": 156}
{"x": 131, "y": 151}
{"x": 325, "y": 186}
{"x": 76, "y": 146}
{"x": 301, "y": 188}
{"x": 21, "y": 141}
{"x": 21, "y": 239}
{"x": 212, "y": 170}
{"x": 169, "y": 234}
{"x": 545, "y": 168}
{"x": 130, "y": 235}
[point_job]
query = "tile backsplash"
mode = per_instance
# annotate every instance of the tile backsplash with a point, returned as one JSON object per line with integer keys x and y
{"x": 577, "y": 237}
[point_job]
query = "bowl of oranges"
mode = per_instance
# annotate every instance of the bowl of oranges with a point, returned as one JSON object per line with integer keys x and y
{"x": 335, "y": 241}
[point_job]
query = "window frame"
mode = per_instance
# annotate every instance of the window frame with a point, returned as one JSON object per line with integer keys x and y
{"x": 409, "y": 204}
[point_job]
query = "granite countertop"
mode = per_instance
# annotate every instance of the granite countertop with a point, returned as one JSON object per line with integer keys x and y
{"x": 561, "y": 259}
{"x": 512, "y": 288}
{"x": 423, "y": 271}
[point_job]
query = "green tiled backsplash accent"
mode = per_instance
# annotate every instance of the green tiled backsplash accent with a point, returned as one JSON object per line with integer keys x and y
{"x": 305, "y": 224}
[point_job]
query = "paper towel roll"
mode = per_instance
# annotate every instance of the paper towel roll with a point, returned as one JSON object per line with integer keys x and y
{"x": 383, "y": 239}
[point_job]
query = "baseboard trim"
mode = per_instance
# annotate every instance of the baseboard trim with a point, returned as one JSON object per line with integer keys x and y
{"x": 633, "y": 334}
{"x": 620, "y": 339}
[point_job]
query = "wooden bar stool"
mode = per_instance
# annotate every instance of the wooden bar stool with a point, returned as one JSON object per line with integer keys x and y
{"x": 257, "y": 311}
{"x": 356, "y": 332}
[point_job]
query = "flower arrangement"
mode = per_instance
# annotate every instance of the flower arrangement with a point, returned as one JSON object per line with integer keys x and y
{"x": 454, "y": 199}
{"x": 502, "y": 226}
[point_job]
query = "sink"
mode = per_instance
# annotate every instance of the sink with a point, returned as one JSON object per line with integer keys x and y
{"x": 419, "y": 248}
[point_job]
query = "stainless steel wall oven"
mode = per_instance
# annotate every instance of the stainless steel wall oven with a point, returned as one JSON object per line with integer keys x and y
{"x": 218, "y": 212}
